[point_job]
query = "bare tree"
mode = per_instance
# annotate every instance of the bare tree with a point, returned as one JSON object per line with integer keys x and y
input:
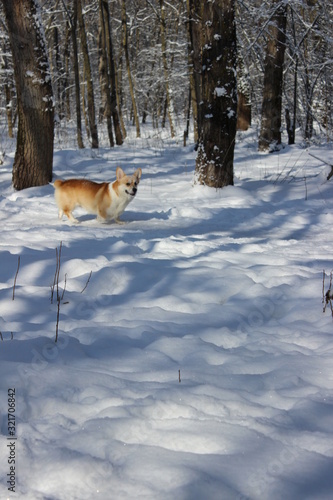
{"x": 34, "y": 148}
{"x": 218, "y": 107}
{"x": 88, "y": 77}
{"x": 270, "y": 132}
{"x": 108, "y": 80}
{"x": 128, "y": 67}
{"x": 169, "y": 103}
{"x": 8, "y": 87}
{"x": 164, "y": 45}
{"x": 194, "y": 14}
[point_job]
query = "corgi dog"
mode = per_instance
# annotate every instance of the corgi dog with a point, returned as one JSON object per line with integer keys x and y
{"x": 107, "y": 200}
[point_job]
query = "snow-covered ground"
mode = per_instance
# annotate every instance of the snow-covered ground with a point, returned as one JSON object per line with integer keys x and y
{"x": 194, "y": 359}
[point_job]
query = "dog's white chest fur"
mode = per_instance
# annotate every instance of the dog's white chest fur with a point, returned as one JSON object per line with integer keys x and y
{"x": 118, "y": 204}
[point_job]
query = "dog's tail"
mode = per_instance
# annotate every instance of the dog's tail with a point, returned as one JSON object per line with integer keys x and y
{"x": 57, "y": 183}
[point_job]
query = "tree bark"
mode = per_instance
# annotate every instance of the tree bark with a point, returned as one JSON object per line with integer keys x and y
{"x": 270, "y": 132}
{"x": 169, "y": 104}
{"x": 244, "y": 101}
{"x": 218, "y": 113}
{"x": 104, "y": 77}
{"x": 88, "y": 78}
{"x": 34, "y": 149}
{"x": 8, "y": 84}
{"x": 65, "y": 94}
{"x": 115, "y": 108}
{"x": 77, "y": 78}
{"x": 128, "y": 67}
{"x": 194, "y": 12}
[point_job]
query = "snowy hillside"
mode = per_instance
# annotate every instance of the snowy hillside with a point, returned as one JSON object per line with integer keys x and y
{"x": 194, "y": 359}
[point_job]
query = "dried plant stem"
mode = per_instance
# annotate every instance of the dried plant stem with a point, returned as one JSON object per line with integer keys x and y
{"x": 83, "y": 289}
{"x": 327, "y": 297}
{"x": 324, "y": 301}
{"x": 17, "y": 271}
{"x": 63, "y": 292}
{"x": 56, "y": 285}
{"x": 57, "y": 323}
{"x": 58, "y": 254}
{"x": 57, "y": 273}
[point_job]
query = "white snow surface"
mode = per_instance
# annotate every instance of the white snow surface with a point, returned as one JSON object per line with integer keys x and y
{"x": 197, "y": 363}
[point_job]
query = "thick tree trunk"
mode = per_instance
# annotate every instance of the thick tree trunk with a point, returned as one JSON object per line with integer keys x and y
{"x": 34, "y": 148}
{"x": 270, "y": 132}
{"x": 214, "y": 165}
{"x": 88, "y": 78}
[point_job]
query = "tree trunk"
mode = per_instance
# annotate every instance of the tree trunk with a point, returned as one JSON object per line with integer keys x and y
{"x": 105, "y": 110}
{"x": 8, "y": 89}
{"x": 244, "y": 101}
{"x": 214, "y": 164}
{"x": 88, "y": 78}
{"x": 243, "y": 111}
{"x": 169, "y": 102}
{"x": 194, "y": 12}
{"x": 129, "y": 74}
{"x": 77, "y": 78}
{"x": 270, "y": 132}
{"x": 65, "y": 95}
{"x": 34, "y": 148}
{"x": 118, "y": 124}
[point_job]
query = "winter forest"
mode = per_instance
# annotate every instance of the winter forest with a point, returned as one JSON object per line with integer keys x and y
{"x": 119, "y": 64}
{"x": 187, "y": 352}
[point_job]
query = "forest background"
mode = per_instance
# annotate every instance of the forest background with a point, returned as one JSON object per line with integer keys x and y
{"x": 124, "y": 63}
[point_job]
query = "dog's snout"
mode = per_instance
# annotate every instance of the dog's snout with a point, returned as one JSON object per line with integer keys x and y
{"x": 135, "y": 190}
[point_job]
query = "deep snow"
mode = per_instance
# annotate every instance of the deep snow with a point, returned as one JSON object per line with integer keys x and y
{"x": 197, "y": 361}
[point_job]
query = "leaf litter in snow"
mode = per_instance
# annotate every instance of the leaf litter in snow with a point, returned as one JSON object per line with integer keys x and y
{"x": 194, "y": 359}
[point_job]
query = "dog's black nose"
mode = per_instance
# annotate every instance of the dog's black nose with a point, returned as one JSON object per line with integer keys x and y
{"x": 134, "y": 190}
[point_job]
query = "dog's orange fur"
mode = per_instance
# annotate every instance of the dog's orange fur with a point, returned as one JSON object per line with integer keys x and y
{"x": 106, "y": 200}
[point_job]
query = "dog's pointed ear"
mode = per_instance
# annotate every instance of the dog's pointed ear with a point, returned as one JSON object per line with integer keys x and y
{"x": 119, "y": 173}
{"x": 138, "y": 173}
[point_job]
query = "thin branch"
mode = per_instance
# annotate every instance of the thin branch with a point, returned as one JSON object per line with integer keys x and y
{"x": 57, "y": 323}
{"x": 83, "y": 289}
{"x": 18, "y": 267}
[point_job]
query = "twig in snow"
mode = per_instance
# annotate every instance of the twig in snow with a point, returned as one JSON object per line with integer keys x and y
{"x": 83, "y": 289}
{"x": 324, "y": 275}
{"x": 57, "y": 323}
{"x": 56, "y": 274}
{"x": 327, "y": 298}
{"x": 17, "y": 270}
{"x": 58, "y": 268}
{"x": 63, "y": 292}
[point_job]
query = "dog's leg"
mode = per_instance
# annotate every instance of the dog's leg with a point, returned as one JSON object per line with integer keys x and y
{"x": 120, "y": 222}
{"x": 70, "y": 216}
{"x": 102, "y": 215}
